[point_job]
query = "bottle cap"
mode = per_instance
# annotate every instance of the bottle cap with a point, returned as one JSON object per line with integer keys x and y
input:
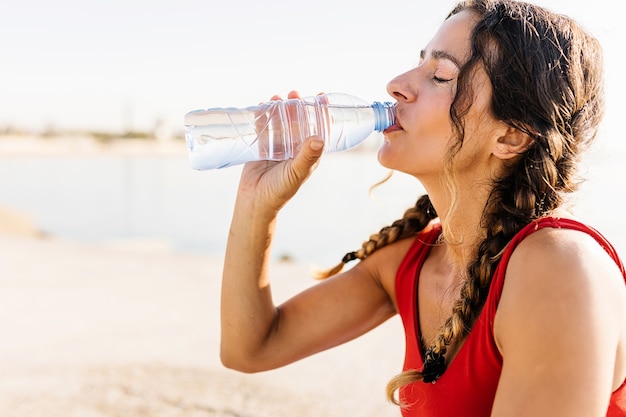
{"x": 385, "y": 115}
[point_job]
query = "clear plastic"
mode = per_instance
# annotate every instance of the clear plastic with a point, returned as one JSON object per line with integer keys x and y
{"x": 275, "y": 130}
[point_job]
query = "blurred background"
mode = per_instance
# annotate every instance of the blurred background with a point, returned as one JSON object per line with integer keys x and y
{"x": 93, "y": 95}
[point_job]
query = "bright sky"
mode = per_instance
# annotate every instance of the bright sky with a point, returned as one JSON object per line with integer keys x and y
{"x": 119, "y": 64}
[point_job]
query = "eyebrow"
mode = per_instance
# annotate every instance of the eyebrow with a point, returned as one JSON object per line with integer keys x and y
{"x": 439, "y": 54}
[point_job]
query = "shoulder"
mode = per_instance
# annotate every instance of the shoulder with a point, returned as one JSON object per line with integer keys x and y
{"x": 562, "y": 293}
{"x": 556, "y": 277}
{"x": 383, "y": 265}
{"x": 562, "y": 254}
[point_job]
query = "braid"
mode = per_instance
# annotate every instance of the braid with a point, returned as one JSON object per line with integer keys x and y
{"x": 512, "y": 204}
{"x": 414, "y": 220}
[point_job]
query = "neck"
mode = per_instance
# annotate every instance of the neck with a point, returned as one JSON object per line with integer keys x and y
{"x": 461, "y": 220}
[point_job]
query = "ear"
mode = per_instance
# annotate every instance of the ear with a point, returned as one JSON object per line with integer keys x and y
{"x": 512, "y": 143}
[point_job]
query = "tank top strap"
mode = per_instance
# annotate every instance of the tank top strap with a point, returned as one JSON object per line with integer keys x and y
{"x": 546, "y": 222}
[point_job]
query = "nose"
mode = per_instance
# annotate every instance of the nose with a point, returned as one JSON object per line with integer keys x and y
{"x": 400, "y": 89}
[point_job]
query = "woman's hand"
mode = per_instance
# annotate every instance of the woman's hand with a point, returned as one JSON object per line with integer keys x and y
{"x": 273, "y": 183}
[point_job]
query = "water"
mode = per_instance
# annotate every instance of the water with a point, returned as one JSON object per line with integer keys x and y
{"x": 110, "y": 197}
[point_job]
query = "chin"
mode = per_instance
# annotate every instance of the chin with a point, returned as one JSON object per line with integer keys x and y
{"x": 386, "y": 159}
{"x": 382, "y": 155}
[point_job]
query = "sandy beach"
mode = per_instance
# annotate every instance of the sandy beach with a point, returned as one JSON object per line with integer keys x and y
{"x": 129, "y": 327}
{"x": 132, "y": 329}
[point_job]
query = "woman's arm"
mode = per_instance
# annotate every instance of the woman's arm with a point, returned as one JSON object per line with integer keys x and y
{"x": 559, "y": 325}
{"x": 248, "y": 314}
{"x": 257, "y": 335}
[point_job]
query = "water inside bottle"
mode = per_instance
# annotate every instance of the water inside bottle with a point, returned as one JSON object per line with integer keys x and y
{"x": 212, "y": 147}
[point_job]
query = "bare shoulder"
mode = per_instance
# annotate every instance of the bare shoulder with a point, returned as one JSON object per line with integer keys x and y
{"x": 383, "y": 265}
{"x": 556, "y": 266}
{"x": 569, "y": 258}
{"x": 562, "y": 293}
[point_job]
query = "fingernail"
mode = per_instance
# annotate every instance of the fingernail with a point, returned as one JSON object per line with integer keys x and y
{"x": 316, "y": 145}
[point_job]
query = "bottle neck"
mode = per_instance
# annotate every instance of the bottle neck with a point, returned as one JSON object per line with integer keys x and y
{"x": 384, "y": 114}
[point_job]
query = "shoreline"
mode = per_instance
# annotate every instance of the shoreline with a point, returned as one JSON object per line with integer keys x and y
{"x": 85, "y": 145}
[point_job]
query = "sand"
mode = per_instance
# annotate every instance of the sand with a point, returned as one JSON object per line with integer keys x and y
{"x": 132, "y": 329}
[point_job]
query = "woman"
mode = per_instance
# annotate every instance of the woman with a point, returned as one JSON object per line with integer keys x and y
{"x": 510, "y": 306}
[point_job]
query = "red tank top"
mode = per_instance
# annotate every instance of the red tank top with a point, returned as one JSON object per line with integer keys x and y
{"x": 468, "y": 386}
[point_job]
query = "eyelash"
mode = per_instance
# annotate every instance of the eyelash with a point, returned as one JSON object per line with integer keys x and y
{"x": 439, "y": 80}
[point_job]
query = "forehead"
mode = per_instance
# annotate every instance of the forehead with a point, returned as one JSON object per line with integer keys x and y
{"x": 453, "y": 36}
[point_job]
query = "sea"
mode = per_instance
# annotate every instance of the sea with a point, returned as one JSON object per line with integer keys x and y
{"x": 158, "y": 199}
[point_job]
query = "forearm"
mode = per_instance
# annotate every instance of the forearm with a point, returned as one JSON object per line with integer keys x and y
{"x": 248, "y": 313}
{"x": 249, "y": 316}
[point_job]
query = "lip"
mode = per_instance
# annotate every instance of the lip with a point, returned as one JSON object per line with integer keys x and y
{"x": 394, "y": 127}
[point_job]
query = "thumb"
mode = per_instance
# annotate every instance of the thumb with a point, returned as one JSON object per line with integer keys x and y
{"x": 297, "y": 170}
{"x": 306, "y": 160}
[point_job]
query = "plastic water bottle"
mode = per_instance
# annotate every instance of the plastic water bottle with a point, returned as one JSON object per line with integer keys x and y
{"x": 275, "y": 130}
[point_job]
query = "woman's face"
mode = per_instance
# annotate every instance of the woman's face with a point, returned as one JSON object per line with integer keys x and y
{"x": 419, "y": 141}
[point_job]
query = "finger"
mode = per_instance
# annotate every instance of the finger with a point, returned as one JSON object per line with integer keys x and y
{"x": 307, "y": 158}
{"x": 293, "y": 94}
